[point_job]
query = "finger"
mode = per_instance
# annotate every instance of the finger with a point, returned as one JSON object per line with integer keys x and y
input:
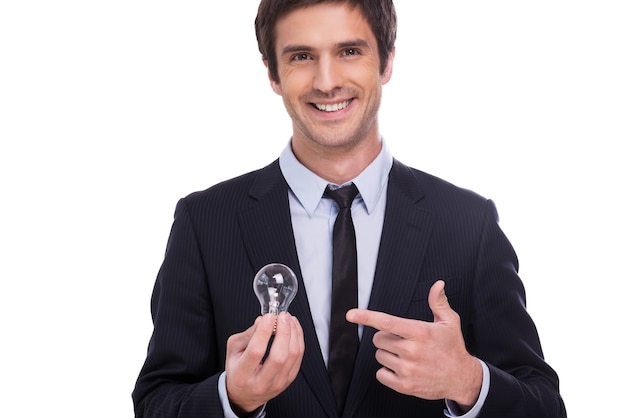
{"x": 282, "y": 327}
{"x": 237, "y": 343}
{"x": 297, "y": 337}
{"x": 388, "y": 341}
{"x": 257, "y": 345}
{"x": 285, "y": 355}
{"x": 388, "y": 360}
{"x": 438, "y": 302}
{"x": 296, "y": 347}
{"x": 279, "y": 351}
{"x": 382, "y": 321}
{"x": 390, "y": 379}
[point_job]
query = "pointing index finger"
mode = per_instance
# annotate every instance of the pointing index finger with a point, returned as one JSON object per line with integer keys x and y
{"x": 379, "y": 320}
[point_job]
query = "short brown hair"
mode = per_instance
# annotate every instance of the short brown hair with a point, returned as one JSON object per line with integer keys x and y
{"x": 380, "y": 15}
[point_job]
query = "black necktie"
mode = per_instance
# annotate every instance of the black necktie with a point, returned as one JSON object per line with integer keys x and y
{"x": 343, "y": 336}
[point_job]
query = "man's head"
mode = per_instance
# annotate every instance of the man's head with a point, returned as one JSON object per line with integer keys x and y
{"x": 329, "y": 75}
{"x": 380, "y": 15}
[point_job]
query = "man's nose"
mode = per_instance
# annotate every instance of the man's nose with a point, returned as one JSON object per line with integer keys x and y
{"x": 328, "y": 75}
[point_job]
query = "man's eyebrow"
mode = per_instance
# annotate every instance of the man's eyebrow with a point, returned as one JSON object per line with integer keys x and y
{"x": 353, "y": 43}
{"x": 289, "y": 49}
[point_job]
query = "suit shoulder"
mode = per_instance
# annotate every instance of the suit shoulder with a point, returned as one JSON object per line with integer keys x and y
{"x": 235, "y": 192}
{"x": 458, "y": 211}
{"x": 439, "y": 190}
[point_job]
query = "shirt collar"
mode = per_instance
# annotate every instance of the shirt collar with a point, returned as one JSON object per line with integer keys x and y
{"x": 308, "y": 187}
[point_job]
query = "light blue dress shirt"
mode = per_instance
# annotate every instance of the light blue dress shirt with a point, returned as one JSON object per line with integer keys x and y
{"x": 313, "y": 218}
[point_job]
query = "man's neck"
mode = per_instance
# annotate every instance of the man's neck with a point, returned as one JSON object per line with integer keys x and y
{"x": 337, "y": 165}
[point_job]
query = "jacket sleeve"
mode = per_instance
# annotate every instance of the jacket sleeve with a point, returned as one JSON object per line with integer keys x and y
{"x": 181, "y": 371}
{"x": 522, "y": 384}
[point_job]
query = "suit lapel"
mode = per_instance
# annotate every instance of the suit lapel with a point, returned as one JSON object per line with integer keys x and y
{"x": 406, "y": 232}
{"x": 268, "y": 236}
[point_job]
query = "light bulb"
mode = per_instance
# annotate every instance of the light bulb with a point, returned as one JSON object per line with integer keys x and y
{"x": 275, "y": 285}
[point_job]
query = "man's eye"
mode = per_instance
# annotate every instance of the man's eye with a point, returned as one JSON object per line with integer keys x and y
{"x": 300, "y": 57}
{"x": 351, "y": 51}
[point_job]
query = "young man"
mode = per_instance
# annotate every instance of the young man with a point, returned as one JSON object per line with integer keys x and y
{"x": 441, "y": 322}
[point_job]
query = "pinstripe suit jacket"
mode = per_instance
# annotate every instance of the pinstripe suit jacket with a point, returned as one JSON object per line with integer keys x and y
{"x": 432, "y": 230}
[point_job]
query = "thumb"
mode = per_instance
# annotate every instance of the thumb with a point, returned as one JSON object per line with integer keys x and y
{"x": 237, "y": 343}
{"x": 438, "y": 302}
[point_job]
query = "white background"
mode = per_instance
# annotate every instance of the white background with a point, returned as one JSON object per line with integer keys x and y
{"x": 111, "y": 111}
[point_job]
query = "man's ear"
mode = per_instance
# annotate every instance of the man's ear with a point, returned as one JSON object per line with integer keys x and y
{"x": 273, "y": 83}
{"x": 386, "y": 75}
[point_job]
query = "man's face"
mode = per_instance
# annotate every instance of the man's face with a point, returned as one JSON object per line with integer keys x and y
{"x": 330, "y": 79}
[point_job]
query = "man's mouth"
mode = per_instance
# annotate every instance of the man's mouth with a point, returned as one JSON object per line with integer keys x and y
{"x": 332, "y": 107}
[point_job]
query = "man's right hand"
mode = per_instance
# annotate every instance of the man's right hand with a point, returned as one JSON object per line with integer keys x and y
{"x": 250, "y": 381}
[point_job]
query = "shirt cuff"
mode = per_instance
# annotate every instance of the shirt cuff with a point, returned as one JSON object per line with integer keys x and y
{"x": 228, "y": 411}
{"x": 453, "y": 410}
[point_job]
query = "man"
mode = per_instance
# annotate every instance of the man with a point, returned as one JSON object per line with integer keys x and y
{"x": 441, "y": 320}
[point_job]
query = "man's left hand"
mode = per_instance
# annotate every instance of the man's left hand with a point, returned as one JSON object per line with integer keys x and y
{"x": 424, "y": 359}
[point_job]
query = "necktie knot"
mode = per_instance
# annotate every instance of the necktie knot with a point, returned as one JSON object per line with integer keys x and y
{"x": 343, "y": 195}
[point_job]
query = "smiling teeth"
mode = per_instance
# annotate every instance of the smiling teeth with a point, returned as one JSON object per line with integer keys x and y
{"x": 333, "y": 107}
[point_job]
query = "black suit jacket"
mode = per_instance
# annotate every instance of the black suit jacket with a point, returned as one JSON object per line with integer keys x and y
{"x": 432, "y": 230}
